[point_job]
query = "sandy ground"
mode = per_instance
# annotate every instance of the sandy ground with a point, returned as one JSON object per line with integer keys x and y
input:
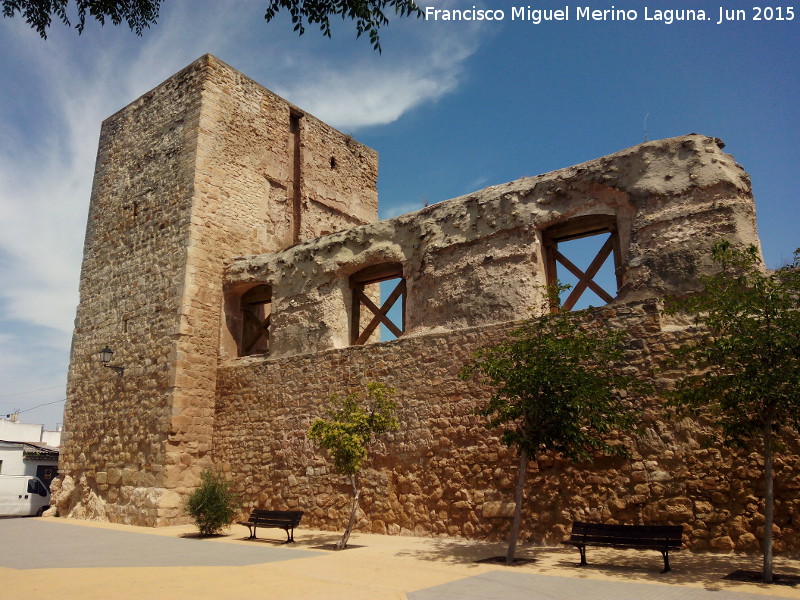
{"x": 376, "y": 567}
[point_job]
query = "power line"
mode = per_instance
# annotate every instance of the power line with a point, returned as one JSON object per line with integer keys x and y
{"x": 33, "y": 391}
{"x": 41, "y": 405}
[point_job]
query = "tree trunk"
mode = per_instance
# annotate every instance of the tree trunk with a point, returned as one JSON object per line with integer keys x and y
{"x": 769, "y": 502}
{"x": 523, "y": 470}
{"x": 342, "y": 543}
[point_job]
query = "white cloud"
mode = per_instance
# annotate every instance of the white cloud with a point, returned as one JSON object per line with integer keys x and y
{"x": 57, "y": 92}
{"x": 379, "y": 89}
{"x": 45, "y": 185}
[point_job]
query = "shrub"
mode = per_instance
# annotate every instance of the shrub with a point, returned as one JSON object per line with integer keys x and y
{"x": 212, "y": 505}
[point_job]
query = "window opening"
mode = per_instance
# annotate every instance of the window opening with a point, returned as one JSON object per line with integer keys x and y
{"x": 366, "y": 285}
{"x": 256, "y": 309}
{"x": 601, "y": 276}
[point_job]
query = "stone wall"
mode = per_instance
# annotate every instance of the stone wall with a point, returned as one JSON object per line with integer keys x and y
{"x": 112, "y": 454}
{"x": 211, "y": 191}
{"x": 249, "y": 197}
{"x": 444, "y": 473}
{"x": 481, "y": 258}
{"x": 206, "y": 166}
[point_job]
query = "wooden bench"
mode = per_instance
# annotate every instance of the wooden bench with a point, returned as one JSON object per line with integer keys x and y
{"x": 644, "y": 537}
{"x": 280, "y": 519}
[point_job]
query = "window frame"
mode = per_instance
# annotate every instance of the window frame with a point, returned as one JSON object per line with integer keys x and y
{"x": 367, "y": 276}
{"x": 573, "y": 229}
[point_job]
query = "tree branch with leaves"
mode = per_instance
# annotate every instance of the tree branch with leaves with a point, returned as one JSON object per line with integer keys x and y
{"x": 368, "y": 15}
{"x": 39, "y": 14}
{"x": 347, "y": 432}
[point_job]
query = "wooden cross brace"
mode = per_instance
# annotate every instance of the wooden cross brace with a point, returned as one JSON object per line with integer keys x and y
{"x": 254, "y": 330}
{"x": 586, "y": 279}
{"x": 380, "y": 315}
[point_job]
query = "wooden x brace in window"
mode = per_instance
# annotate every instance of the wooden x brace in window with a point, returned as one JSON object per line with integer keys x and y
{"x": 380, "y": 315}
{"x": 581, "y": 227}
{"x": 253, "y": 330}
{"x": 586, "y": 279}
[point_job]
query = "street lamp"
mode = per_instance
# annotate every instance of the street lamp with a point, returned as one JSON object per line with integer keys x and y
{"x": 105, "y": 357}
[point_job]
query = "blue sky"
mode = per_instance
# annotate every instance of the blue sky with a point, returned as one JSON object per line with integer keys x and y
{"x": 450, "y": 106}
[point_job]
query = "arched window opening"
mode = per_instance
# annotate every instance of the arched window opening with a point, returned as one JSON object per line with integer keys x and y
{"x": 366, "y": 314}
{"x": 256, "y": 310}
{"x": 602, "y": 278}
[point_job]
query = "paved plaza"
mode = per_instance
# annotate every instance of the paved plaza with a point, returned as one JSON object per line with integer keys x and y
{"x": 72, "y": 559}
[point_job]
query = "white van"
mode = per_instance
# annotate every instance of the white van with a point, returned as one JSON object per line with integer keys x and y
{"x": 22, "y": 495}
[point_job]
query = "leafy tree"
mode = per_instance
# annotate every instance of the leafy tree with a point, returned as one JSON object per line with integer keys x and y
{"x": 212, "y": 505}
{"x": 347, "y": 432}
{"x": 555, "y": 390}
{"x": 744, "y": 371}
{"x": 369, "y": 15}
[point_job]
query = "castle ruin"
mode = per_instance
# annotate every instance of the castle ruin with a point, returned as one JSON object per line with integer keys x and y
{"x": 231, "y": 259}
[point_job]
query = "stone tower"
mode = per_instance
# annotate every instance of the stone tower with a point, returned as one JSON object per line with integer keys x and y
{"x": 208, "y": 165}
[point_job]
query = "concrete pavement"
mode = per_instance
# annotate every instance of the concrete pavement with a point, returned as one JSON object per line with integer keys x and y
{"x": 71, "y": 559}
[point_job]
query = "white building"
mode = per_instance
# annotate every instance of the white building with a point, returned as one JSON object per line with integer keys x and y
{"x": 13, "y": 431}
{"x": 28, "y": 450}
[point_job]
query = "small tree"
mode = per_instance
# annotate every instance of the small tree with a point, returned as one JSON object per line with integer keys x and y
{"x": 744, "y": 371}
{"x": 347, "y": 432}
{"x": 212, "y": 505}
{"x": 555, "y": 390}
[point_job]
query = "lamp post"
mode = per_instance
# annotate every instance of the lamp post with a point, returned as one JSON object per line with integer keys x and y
{"x": 105, "y": 357}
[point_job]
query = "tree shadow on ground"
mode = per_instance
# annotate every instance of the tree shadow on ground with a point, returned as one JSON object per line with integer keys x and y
{"x": 460, "y": 552}
{"x": 302, "y": 539}
{"x": 705, "y": 570}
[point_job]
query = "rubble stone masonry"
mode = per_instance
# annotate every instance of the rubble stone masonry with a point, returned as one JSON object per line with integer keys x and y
{"x": 444, "y": 473}
{"x": 226, "y": 234}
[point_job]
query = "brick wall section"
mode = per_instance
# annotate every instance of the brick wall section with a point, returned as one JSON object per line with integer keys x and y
{"x": 444, "y": 473}
{"x": 339, "y": 178}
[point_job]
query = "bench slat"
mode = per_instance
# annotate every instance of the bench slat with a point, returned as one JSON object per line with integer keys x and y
{"x": 629, "y": 530}
{"x": 625, "y": 540}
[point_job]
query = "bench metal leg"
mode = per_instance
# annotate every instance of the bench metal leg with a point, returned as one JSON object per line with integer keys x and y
{"x": 582, "y": 550}
{"x": 665, "y": 553}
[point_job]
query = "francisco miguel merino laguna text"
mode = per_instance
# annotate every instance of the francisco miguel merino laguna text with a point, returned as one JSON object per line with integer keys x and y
{"x": 576, "y": 13}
